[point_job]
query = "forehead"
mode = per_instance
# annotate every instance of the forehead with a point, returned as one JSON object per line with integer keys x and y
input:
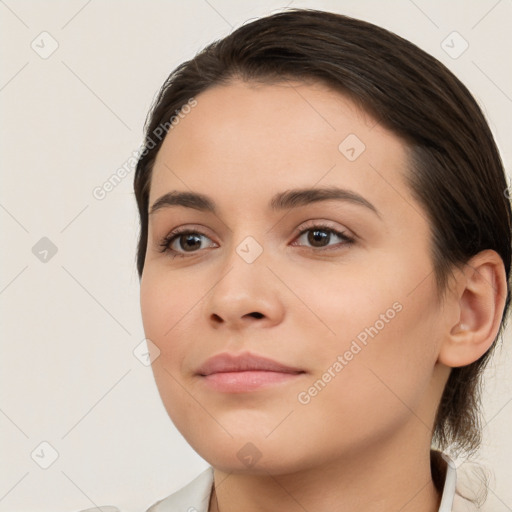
{"x": 251, "y": 140}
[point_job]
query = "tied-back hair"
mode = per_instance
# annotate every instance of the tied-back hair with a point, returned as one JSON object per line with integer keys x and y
{"x": 455, "y": 171}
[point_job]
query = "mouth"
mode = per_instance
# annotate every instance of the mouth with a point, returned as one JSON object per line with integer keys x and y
{"x": 240, "y": 373}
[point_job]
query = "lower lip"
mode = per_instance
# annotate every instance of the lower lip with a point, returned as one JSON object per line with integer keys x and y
{"x": 240, "y": 382}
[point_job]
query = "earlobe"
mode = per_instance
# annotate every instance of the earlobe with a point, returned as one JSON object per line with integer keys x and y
{"x": 482, "y": 290}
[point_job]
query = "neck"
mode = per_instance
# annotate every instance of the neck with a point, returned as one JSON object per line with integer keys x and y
{"x": 374, "y": 481}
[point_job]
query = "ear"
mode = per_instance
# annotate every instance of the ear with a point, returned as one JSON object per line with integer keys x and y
{"x": 480, "y": 295}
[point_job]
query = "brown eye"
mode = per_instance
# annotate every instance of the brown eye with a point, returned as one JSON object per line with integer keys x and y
{"x": 318, "y": 237}
{"x": 189, "y": 241}
{"x": 321, "y": 236}
{"x": 182, "y": 242}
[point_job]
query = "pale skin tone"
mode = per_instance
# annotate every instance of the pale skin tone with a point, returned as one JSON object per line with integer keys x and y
{"x": 363, "y": 442}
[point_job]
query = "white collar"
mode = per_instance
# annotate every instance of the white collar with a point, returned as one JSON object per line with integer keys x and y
{"x": 450, "y": 483}
{"x": 196, "y": 494}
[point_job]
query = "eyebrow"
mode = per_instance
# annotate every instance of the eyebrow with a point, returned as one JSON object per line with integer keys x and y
{"x": 286, "y": 200}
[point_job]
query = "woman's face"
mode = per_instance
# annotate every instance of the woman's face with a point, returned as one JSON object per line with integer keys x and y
{"x": 353, "y": 314}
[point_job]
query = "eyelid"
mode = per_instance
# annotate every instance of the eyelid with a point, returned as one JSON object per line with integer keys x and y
{"x": 194, "y": 228}
{"x": 326, "y": 224}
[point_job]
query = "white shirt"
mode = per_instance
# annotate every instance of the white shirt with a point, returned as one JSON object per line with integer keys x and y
{"x": 195, "y": 496}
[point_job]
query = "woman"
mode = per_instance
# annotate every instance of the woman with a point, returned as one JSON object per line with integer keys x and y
{"x": 324, "y": 259}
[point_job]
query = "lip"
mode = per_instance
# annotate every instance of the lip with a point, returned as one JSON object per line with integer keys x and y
{"x": 238, "y": 373}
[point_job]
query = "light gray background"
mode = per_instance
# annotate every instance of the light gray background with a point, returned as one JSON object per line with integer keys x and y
{"x": 70, "y": 324}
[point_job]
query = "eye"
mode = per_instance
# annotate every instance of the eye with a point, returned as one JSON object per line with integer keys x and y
{"x": 320, "y": 236}
{"x": 182, "y": 241}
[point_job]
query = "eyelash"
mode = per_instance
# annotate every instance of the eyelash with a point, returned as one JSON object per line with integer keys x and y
{"x": 169, "y": 239}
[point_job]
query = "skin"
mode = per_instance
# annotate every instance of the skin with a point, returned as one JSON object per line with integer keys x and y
{"x": 362, "y": 443}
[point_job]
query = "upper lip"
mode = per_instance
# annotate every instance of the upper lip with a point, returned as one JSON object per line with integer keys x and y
{"x": 226, "y": 362}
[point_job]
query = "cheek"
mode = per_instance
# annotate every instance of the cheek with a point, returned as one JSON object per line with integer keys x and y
{"x": 165, "y": 301}
{"x": 154, "y": 309}
{"x": 382, "y": 336}
{"x": 374, "y": 377}
{"x": 356, "y": 301}
{"x": 164, "y": 307}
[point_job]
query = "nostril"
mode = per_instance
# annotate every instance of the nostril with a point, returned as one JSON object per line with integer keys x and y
{"x": 255, "y": 314}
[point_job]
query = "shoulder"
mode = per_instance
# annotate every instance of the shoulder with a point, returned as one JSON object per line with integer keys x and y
{"x": 194, "y": 497}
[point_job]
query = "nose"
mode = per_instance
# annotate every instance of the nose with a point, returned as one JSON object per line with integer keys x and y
{"x": 246, "y": 295}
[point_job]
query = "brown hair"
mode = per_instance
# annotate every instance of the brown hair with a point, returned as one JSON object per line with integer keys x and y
{"x": 456, "y": 173}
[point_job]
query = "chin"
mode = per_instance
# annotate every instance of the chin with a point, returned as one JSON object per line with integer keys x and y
{"x": 247, "y": 451}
